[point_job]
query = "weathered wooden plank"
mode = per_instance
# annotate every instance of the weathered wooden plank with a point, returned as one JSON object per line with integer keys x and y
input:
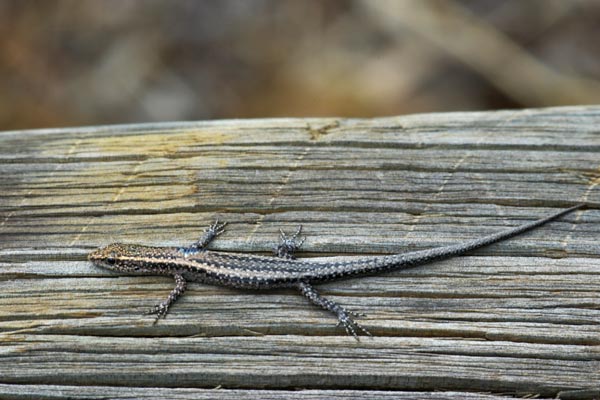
{"x": 50, "y": 392}
{"x": 526, "y": 299}
{"x": 519, "y": 317}
{"x": 385, "y": 363}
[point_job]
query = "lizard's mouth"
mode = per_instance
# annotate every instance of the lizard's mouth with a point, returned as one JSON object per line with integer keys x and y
{"x": 95, "y": 255}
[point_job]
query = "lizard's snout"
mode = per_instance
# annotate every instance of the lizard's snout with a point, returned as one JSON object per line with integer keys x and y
{"x": 94, "y": 255}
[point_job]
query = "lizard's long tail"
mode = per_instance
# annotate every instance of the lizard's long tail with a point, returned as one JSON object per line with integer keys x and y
{"x": 406, "y": 260}
{"x": 461, "y": 248}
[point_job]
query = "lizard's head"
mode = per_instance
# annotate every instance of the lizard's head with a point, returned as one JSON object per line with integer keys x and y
{"x": 118, "y": 257}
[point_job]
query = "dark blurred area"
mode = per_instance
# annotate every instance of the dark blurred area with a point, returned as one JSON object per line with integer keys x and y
{"x": 88, "y": 62}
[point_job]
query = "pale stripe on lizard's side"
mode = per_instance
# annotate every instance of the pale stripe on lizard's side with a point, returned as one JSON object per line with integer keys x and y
{"x": 248, "y": 271}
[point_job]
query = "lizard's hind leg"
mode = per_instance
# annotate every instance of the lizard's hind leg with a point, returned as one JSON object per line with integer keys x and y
{"x": 344, "y": 316}
{"x": 288, "y": 246}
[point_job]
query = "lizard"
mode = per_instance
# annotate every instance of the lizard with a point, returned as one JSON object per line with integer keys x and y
{"x": 249, "y": 271}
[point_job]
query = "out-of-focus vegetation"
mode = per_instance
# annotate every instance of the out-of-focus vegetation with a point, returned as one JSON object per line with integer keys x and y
{"x": 87, "y": 62}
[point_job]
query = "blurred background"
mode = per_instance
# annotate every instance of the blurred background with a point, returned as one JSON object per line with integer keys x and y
{"x": 88, "y": 62}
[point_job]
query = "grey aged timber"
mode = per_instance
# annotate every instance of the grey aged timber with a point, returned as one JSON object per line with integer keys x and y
{"x": 520, "y": 317}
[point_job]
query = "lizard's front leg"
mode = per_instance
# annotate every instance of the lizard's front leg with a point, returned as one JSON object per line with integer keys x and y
{"x": 162, "y": 308}
{"x": 210, "y": 233}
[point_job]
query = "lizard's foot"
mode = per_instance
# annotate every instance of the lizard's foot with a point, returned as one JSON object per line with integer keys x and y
{"x": 350, "y": 325}
{"x": 160, "y": 311}
{"x": 288, "y": 245}
{"x": 214, "y": 230}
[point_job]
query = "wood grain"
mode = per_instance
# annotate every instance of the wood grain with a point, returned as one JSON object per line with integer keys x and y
{"x": 518, "y": 318}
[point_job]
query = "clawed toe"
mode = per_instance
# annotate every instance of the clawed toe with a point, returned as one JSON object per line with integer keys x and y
{"x": 351, "y": 326}
{"x": 357, "y": 314}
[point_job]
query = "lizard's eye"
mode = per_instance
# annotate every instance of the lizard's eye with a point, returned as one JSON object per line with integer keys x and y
{"x": 111, "y": 261}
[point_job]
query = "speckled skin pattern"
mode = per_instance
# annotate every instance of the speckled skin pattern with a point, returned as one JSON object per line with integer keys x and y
{"x": 247, "y": 271}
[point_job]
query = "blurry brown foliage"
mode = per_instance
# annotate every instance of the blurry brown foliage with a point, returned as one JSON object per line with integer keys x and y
{"x": 88, "y": 62}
